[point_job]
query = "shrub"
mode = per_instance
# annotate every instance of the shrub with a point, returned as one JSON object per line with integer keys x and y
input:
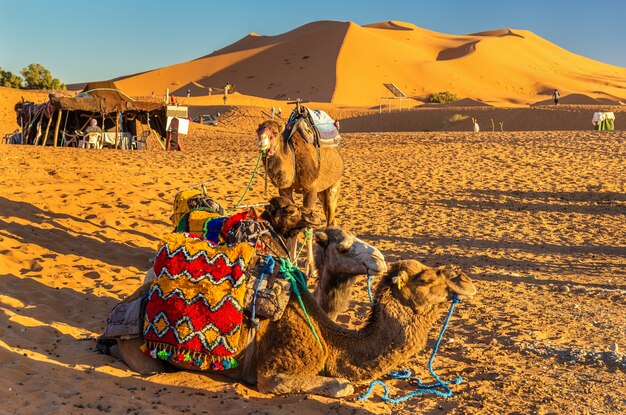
{"x": 442, "y": 97}
{"x": 9, "y": 79}
{"x": 38, "y": 77}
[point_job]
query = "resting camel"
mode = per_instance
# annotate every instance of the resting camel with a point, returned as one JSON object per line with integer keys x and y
{"x": 294, "y": 166}
{"x": 409, "y": 299}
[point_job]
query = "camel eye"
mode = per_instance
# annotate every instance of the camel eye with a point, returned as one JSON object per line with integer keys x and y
{"x": 343, "y": 248}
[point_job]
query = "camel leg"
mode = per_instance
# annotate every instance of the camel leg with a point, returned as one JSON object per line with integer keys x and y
{"x": 286, "y": 192}
{"x": 316, "y": 385}
{"x": 308, "y": 202}
{"x": 310, "y": 269}
{"x": 329, "y": 198}
{"x": 128, "y": 351}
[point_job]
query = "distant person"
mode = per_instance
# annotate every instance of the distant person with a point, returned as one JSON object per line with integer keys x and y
{"x": 280, "y": 112}
{"x": 227, "y": 88}
{"x": 188, "y": 93}
{"x": 556, "y": 96}
{"x": 172, "y": 99}
{"x": 272, "y": 111}
{"x": 210, "y": 91}
{"x": 476, "y": 126}
{"x": 93, "y": 127}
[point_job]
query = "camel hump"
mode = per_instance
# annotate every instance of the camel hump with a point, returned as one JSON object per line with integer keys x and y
{"x": 315, "y": 126}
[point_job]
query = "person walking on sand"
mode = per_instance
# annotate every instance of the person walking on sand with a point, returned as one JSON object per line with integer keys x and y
{"x": 556, "y": 96}
{"x": 227, "y": 88}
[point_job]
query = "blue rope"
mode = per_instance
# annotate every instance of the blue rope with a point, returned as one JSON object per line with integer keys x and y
{"x": 423, "y": 388}
{"x": 370, "y": 278}
{"x": 268, "y": 268}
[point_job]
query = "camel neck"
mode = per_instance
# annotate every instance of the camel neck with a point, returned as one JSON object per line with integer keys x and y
{"x": 393, "y": 334}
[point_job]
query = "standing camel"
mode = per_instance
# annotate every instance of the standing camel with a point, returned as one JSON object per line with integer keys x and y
{"x": 294, "y": 165}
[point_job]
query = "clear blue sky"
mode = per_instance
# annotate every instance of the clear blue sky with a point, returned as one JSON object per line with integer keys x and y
{"x": 86, "y": 40}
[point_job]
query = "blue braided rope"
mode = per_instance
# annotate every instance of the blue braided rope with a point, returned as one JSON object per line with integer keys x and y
{"x": 370, "y": 278}
{"x": 423, "y": 389}
{"x": 268, "y": 268}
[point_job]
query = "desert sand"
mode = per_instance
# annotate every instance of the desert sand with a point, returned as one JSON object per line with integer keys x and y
{"x": 535, "y": 214}
{"x": 536, "y": 218}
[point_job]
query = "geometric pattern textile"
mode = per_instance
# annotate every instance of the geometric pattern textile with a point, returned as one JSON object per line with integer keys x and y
{"x": 194, "y": 308}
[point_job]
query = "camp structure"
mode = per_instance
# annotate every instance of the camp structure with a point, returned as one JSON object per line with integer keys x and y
{"x": 62, "y": 120}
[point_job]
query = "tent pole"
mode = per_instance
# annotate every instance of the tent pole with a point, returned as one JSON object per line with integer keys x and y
{"x": 45, "y": 137}
{"x": 117, "y": 129}
{"x": 56, "y": 128}
{"x": 103, "y": 133}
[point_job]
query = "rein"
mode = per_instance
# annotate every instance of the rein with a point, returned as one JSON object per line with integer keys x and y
{"x": 422, "y": 388}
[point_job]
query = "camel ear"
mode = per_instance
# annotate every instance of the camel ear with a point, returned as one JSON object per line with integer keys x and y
{"x": 321, "y": 238}
{"x": 271, "y": 208}
{"x": 462, "y": 285}
{"x": 401, "y": 279}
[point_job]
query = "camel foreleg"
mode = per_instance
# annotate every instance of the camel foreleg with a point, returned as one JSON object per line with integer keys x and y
{"x": 329, "y": 198}
{"x": 316, "y": 385}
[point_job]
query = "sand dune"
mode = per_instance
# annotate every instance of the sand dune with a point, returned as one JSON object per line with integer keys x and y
{"x": 346, "y": 64}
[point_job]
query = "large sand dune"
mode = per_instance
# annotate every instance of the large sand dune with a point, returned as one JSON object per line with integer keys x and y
{"x": 345, "y": 63}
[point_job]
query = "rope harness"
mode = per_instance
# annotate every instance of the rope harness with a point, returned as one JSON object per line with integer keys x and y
{"x": 298, "y": 282}
{"x": 423, "y": 389}
{"x": 256, "y": 168}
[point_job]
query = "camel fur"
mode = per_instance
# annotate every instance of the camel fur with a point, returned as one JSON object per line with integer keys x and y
{"x": 294, "y": 166}
{"x": 337, "y": 254}
{"x": 409, "y": 299}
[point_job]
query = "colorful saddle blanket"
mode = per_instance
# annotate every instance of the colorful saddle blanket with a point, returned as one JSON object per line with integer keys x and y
{"x": 315, "y": 126}
{"x": 194, "y": 308}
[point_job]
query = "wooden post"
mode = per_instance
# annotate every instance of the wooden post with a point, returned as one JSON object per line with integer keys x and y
{"x": 56, "y": 128}
{"x": 45, "y": 137}
{"x": 102, "y": 140}
{"x": 117, "y": 125}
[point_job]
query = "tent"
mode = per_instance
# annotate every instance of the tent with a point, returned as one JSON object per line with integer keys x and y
{"x": 115, "y": 112}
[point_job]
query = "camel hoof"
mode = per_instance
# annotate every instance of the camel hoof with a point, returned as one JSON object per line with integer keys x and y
{"x": 344, "y": 388}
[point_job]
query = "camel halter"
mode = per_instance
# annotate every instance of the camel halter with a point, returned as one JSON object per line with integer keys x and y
{"x": 422, "y": 388}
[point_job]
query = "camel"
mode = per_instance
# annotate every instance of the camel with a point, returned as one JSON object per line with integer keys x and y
{"x": 289, "y": 359}
{"x": 334, "y": 285}
{"x": 294, "y": 166}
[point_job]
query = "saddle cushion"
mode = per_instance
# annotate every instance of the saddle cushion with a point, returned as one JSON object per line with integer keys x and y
{"x": 194, "y": 308}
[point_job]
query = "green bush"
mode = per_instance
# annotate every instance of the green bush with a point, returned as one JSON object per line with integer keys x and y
{"x": 38, "y": 77}
{"x": 9, "y": 79}
{"x": 442, "y": 97}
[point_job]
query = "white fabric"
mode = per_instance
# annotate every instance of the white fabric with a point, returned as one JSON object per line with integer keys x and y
{"x": 124, "y": 139}
{"x": 601, "y": 116}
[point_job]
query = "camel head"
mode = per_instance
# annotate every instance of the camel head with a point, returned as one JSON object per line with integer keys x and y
{"x": 418, "y": 286}
{"x": 287, "y": 218}
{"x": 269, "y": 134}
{"x": 341, "y": 253}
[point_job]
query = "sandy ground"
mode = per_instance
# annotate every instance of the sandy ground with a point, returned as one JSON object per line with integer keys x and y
{"x": 538, "y": 219}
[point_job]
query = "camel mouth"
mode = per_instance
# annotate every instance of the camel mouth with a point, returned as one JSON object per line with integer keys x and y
{"x": 465, "y": 297}
{"x": 376, "y": 270}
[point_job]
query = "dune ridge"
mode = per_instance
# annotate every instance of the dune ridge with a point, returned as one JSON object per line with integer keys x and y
{"x": 345, "y": 63}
